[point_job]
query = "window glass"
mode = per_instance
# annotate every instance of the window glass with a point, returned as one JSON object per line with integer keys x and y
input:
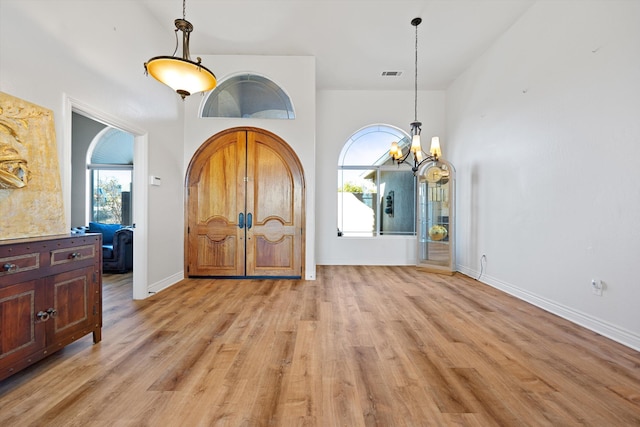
{"x": 375, "y": 196}
{"x": 110, "y": 163}
{"x": 370, "y": 146}
{"x": 248, "y": 96}
{"x": 398, "y": 202}
{"x": 111, "y": 196}
{"x": 357, "y": 202}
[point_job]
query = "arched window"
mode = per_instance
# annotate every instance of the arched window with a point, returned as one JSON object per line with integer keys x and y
{"x": 110, "y": 166}
{"x": 375, "y": 196}
{"x": 248, "y": 96}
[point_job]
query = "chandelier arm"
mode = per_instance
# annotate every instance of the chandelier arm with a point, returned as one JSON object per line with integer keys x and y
{"x": 416, "y": 163}
{"x": 401, "y": 160}
{"x": 185, "y": 45}
{"x": 405, "y": 157}
{"x": 175, "y": 32}
{"x": 429, "y": 158}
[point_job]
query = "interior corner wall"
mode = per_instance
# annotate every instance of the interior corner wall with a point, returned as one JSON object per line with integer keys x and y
{"x": 296, "y": 76}
{"x": 340, "y": 115}
{"x": 544, "y": 134}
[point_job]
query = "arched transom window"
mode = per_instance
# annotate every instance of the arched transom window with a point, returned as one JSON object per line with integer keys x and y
{"x": 248, "y": 96}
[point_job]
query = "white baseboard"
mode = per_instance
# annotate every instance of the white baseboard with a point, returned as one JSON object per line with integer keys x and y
{"x": 592, "y": 323}
{"x": 165, "y": 283}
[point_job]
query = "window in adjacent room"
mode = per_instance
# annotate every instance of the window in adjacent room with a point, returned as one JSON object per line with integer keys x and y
{"x": 375, "y": 196}
{"x": 110, "y": 166}
{"x": 248, "y": 96}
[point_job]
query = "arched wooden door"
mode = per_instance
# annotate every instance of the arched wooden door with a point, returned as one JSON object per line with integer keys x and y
{"x": 245, "y": 207}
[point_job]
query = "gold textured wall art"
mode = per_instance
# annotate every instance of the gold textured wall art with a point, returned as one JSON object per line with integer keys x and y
{"x": 30, "y": 190}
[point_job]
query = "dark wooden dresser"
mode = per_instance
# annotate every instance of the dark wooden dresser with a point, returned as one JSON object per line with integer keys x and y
{"x": 50, "y": 296}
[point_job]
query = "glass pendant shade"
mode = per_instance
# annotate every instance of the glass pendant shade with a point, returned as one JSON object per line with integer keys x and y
{"x": 435, "y": 150}
{"x": 415, "y": 144}
{"x": 395, "y": 151}
{"x": 182, "y": 75}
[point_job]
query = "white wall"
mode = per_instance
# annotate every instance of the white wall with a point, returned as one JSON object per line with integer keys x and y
{"x": 544, "y": 132}
{"x": 296, "y": 76}
{"x": 49, "y": 50}
{"x": 340, "y": 115}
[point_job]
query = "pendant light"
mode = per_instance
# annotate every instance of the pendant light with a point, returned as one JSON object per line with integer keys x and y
{"x": 183, "y": 75}
{"x": 416, "y": 148}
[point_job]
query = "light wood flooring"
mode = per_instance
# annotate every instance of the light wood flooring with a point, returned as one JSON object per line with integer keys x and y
{"x": 360, "y": 346}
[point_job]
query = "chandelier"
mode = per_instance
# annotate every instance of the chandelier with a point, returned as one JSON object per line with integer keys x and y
{"x": 183, "y": 75}
{"x": 419, "y": 156}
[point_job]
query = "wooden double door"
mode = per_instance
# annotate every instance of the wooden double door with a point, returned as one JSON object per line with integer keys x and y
{"x": 245, "y": 207}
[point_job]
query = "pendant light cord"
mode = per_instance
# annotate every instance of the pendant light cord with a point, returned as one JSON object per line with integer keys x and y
{"x": 415, "y": 99}
{"x": 184, "y": 8}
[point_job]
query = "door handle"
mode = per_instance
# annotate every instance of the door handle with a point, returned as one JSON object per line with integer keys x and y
{"x": 241, "y": 220}
{"x": 249, "y": 221}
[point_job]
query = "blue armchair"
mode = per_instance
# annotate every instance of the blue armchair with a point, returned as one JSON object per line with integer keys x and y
{"x": 117, "y": 246}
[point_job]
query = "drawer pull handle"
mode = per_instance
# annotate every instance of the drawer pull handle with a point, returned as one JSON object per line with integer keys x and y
{"x": 10, "y": 267}
{"x": 75, "y": 255}
{"x": 42, "y": 316}
{"x": 52, "y": 312}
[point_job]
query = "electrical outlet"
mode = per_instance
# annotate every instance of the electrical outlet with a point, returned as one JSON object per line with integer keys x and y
{"x": 596, "y": 287}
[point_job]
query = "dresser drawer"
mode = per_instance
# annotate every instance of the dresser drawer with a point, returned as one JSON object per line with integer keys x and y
{"x": 19, "y": 263}
{"x": 73, "y": 254}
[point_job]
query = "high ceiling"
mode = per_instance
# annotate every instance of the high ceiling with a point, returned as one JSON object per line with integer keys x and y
{"x": 353, "y": 41}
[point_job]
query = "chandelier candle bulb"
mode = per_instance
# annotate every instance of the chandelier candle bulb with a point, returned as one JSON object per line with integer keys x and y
{"x": 415, "y": 144}
{"x": 435, "y": 147}
{"x": 395, "y": 151}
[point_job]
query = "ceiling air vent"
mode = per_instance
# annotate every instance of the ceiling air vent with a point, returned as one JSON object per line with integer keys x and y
{"x": 391, "y": 73}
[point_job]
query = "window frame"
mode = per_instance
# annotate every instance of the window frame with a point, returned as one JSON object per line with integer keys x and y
{"x": 379, "y": 169}
{"x": 95, "y": 167}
